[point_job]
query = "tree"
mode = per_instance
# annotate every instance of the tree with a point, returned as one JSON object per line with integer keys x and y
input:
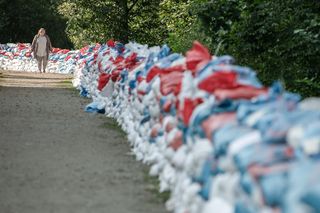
{"x": 20, "y": 20}
{"x": 281, "y": 39}
{"x": 123, "y": 20}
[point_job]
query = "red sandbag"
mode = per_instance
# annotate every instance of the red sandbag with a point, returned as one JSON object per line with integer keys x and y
{"x": 97, "y": 47}
{"x": 65, "y": 51}
{"x": 176, "y": 68}
{"x": 103, "y": 80}
{"x": 100, "y": 66}
{"x": 111, "y": 43}
{"x": 28, "y": 54}
{"x": 241, "y": 92}
{"x": 198, "y": 55}
{"x": 140, "y": 79}
{"x": 216, "y": 121}
{"x": 131, "y": 58}
{"x": 152, "y": 73}
{"x": 219, "y": 80}
{"x": 115, "y": 74}
{"x": 106, "y": 53}
{"x": 95, "y": 56}
{"x": 167, "y": 106}
{"x": 118, "y": 59}
{"x": 155, "y": 70}
{"x": 55, "y": 50}
{"x": 177, "y": 141}
{"x": 21, "y": 46}
{"x": 171, "y": 82}
{"x": 68, "y": 57}
{"x": 131, "y": 62}
{"x": 155, "y": 130}
{"x": 188, "y": 107}
{"x": 140, "y": 92}
{"x": 83, "y": 50}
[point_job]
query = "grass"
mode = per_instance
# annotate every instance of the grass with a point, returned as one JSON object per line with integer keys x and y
{"x": 153, "y": 187}
{"x": 152, "y": 183}
{"x": 67, "y": 81}
{"x": 67, "y": 84}
{"x": 112, "y": 124}
{"x": 73, "y": 90}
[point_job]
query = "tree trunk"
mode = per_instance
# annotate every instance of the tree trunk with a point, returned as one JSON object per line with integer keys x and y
{"x": 124, "y": 21}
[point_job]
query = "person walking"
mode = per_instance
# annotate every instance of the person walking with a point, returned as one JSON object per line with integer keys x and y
{"x": 41, "y": 47}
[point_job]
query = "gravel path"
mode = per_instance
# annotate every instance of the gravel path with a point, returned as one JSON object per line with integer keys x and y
{"x": 56, "y": 158}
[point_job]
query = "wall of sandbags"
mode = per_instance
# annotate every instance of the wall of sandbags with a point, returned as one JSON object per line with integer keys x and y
{"x": 218, "y": 139}
{"x": 18, "y": 57}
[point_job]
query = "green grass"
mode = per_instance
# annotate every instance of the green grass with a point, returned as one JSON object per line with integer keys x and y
{"x": 153, "y": 187}
{"x": 67, "y": 81}
{"x": 66, "y": 84}
{"x": 110, "y": 123}
{"x": 73, "y": 90}
{"x": 152, "y": 183}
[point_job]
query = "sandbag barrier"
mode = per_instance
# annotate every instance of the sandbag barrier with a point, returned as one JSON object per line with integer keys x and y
{"x": 218, "y": 140}
{"x": 18, "y": 57}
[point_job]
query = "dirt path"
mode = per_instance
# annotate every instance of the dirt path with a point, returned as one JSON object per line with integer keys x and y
{"x": 56, "y": 158}
{"x": 34, "y": 80}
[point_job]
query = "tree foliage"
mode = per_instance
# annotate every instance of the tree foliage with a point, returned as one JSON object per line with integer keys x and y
{"x": 123, "y": 20}
{"x": 183, "y": 27}
{"x": 21, "y": 19}
{"x": 280, "y": 39}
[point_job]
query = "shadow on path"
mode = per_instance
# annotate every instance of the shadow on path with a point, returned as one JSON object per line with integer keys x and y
{"x": 29, "y": 79}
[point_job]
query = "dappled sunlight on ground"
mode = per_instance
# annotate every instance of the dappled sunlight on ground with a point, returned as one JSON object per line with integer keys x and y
{"x": 28, "y": 79}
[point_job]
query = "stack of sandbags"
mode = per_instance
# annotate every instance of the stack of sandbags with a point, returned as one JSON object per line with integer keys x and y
{"x": 218, "y": 139}
{"x": 18, "y": 57}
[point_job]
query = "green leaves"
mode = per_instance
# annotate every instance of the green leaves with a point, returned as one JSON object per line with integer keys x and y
{"x": 21, "y": 19}
{"x": 122, "y": 20}
{"x": 278, "y": 38}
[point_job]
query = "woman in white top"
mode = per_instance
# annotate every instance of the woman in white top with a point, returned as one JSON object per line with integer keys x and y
{"x": 41, "y": 47}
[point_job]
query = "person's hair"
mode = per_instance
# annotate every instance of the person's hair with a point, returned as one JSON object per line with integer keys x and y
{"x": 41, "y": 30}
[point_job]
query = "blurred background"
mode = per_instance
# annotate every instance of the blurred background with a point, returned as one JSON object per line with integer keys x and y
{"x": 279, "y": 39}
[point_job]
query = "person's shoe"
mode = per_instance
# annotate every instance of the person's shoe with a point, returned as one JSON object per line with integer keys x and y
{"x": 44, "y": 71}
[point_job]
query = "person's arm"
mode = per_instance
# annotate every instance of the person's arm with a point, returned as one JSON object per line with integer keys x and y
{"x": 33, "y": 45}
{"x": 49, "y": 43}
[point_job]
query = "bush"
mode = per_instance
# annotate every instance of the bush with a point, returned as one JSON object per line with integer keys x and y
{"x": 281, "y": 39}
